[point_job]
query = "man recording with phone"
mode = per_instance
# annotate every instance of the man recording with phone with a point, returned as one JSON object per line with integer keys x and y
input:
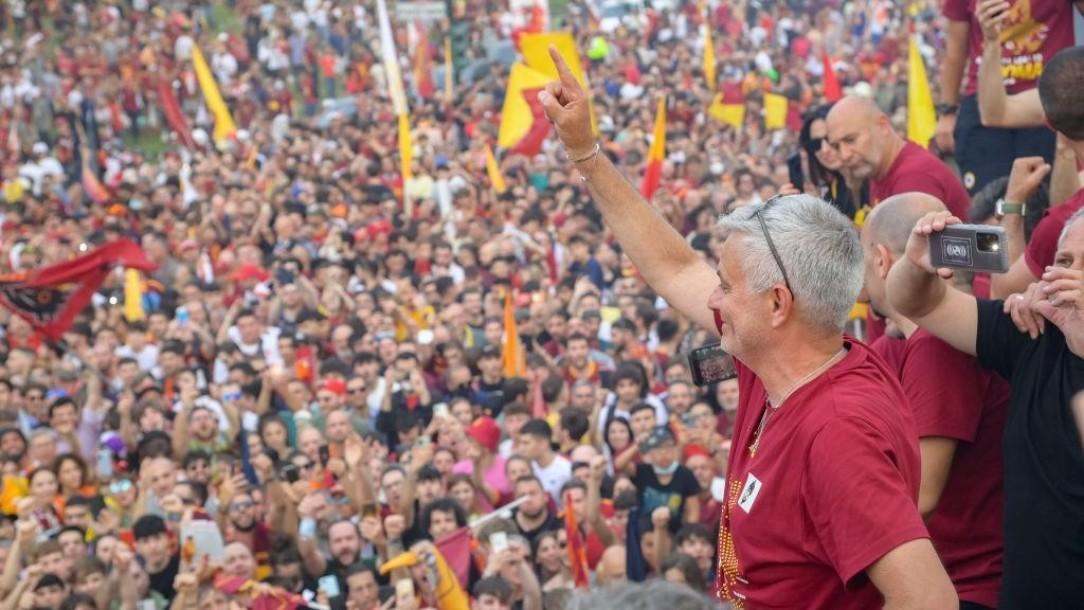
{"x": 959, "y": 409}
{"x": 824, "y": 447}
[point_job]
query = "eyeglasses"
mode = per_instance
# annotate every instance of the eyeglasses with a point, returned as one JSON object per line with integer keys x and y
{"x": 768, "y": 237}
{"x": 355, "y": 390}
{"x": 304, "y": 466}
{"x": 242, "y": 505}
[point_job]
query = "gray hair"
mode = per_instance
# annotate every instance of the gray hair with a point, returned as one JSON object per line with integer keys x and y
{"x": 819, "y": 248}
{"x": 649, "y": 595}
{"x": 1077, "y": 215}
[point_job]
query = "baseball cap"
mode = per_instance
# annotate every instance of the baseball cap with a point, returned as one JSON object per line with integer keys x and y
{"x": 486, "y": 431}
{"x": 334, "y": 385}
{"x": 659, "y": 437}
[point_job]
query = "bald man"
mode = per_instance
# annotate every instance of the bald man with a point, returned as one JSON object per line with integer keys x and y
{"x": 959, "y": 410}
{"x": 871, "y": 150}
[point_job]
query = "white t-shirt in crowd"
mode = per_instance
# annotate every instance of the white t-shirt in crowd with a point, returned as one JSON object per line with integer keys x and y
{"x": 554, "y": 476}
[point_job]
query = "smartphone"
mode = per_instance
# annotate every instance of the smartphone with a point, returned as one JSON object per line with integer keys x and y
{"x": 423, "y": 440}
{"x": 369, "y": 510}
{"x": 974, "y": 247}
{"x": 105, "y": 464}
{"x": 325, "y": 455}
{"x": 711, "y": 364}
{"x": 182, "y": 316}
{"x": 330, "y": 585}
{"x": 440, "y": 410}
{"x": 498, "y": 541}
{"x": 290, "y": 473}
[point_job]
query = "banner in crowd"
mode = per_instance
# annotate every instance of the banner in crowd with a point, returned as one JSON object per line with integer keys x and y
{"x": 224, "y": 126}
{"x": 655, "y": 156}
{"x": 921, "y": 116}
{"x": 51, "y": 297}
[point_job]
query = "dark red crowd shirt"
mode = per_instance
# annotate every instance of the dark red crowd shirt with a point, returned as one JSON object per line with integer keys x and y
{"x": 1036, "y": 31}
{"x": 952, "y": 396}
{"x": 917, "y": 169}
{"x": 1043, "y": 245}
{"x": 831, "y": 489}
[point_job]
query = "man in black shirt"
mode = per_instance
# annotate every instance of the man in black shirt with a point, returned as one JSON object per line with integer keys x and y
{"x": 533, "y": 516}
{"x": 664, "y": 481}
{"x": 1044, "y": 464}
{"x": 153, "y": 545}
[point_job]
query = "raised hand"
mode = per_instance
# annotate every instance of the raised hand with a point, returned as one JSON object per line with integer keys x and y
{"x": 991, "y": 15}
{"x": 1021, "y": 308}
{"x": 918, "y": 244}
{"x": 567, "y": 107}
{"x": 1026, "y": 176}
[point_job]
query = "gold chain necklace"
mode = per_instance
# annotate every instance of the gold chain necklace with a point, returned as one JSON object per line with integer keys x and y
{"x": 770, "y": 409}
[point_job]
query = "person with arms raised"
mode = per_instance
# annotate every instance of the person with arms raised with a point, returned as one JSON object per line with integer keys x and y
{"x": 825, "y": 449}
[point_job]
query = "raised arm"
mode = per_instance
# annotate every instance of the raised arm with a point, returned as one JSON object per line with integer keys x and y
{"x": 666, "y": 261}
{"x": 952, "y": 74}
{"x": 996, "y": 107}
{"x": 919, "y": 291}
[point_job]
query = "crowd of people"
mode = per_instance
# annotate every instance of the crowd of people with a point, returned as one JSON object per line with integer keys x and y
{"x": 343, "y": 389}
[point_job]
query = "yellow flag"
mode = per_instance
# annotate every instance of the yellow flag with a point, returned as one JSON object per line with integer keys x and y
{"x": 536, "y": 54}
{"x": 921, "y": 116}
{"x": 728, "y": 114}
{"x": 516, "y": 117}
{"x": 133, "y": 295}
{"x": 406, "y": 149}
{"x": 449, "y": 76}
{"x": 709, "y": 52}
{"x": 775, "y": 111}
{"x": 494, "y": 171}
{"x": 224, "y": 127}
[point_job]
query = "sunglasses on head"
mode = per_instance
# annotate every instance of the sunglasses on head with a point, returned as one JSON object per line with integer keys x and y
{"x": 759, "y": 214}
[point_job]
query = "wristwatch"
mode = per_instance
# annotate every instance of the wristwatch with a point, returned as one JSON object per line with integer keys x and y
{"x": 1002, "y": 207}
{"x": 944, "y": 109}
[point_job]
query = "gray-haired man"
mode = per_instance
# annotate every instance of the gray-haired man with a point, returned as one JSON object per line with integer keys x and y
{"x": 820, "y": 509}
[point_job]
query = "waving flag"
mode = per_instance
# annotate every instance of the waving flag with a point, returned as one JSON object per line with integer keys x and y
{"x": 523, "y": 124}
{"x": 921, "y": 116}
{"x": 775, "y": 111}
{"x": 709, "y": 53}
{"x": 51, "y": 297}
{"x": 423, "y": 65}
{"x": 577, "y": 548}
{"x": 496, "y": 179}
{"x": 171, "y": 110}
{"x": 653, "y": 172}
{"x": 224, "y": 126}
{"x": 449, "y": 71}
{"x": 390, "y": 59}
{"x": 833, "y": 92}
{"x": 512, "y": 356}
{"x": 535, "y": 48}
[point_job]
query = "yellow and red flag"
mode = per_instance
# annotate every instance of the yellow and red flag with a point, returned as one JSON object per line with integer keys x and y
{"x": 577, "y": 548}
{"x": 523, "y": 125}
{"x": 709, "y": 52}
{"x": 390, "y": 59}
{"x": 653, "y": 171}
{"x": 512, "y": 356}
{"x": 423, "y": 64}
{"x": 224, "y": 126}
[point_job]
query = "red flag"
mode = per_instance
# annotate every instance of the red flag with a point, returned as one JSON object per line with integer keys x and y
{"x": 97, "y": 191}
{"x": 262, "y": 596}
{"x": 833, "y": 92}
{"x": 172, "y": 111}
{"x": 577, "y": 548}
{"x": 50, "y": 298}
{"x": 456, "y": 550}
{"x": 423, "y": 68}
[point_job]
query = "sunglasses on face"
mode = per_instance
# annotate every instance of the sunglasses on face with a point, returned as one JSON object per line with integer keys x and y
{"x": 119, "y": 487}
{"x": 244, "y": 505}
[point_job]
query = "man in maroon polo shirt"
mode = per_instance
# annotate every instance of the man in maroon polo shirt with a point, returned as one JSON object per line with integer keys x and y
{"x": 960, "y": 410}
{"x": 871, "y": 150}
{"x": 820, "y": 509}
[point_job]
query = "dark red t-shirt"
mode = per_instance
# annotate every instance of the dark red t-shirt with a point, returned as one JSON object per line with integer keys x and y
{"x": 890, "y": 350}
{"x": 1043, "y": 245}
{"x": 954, "y": 397}
{"x": 917, "y": 169}
{"x": 1035, "y": 31}
{"x": 832, "y": 488}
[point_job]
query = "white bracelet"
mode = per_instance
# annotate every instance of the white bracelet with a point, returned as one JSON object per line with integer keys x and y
{"x": 591, "y": 155}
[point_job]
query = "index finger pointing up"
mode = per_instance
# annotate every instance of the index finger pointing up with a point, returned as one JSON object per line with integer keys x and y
{"x": 568, "y": 81}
